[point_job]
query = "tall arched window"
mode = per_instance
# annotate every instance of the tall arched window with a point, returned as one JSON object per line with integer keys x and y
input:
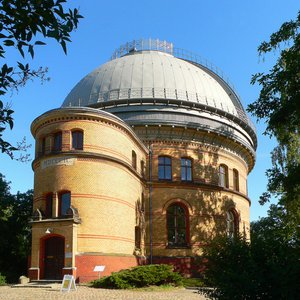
{"x": 164, "y": 168}
{"x": 57, "y": 141}
{"x": 142, "y": 168}
{"x": 49, "y": 202}
{"x": 64, "y": 203}
{"x": 232, "y": 223}
{"x": 177, "y": 225}
{"x": 236, "y": 184}
{"x": 43, "y": 146}
{"x": 133, "y": 159}
{"x": 77, "y": 140}
{"x": 223, "y": 176}
{"x": 186, "y": 169}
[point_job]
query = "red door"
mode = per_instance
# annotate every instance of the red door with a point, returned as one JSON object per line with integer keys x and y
{"x": 54, "y": 257}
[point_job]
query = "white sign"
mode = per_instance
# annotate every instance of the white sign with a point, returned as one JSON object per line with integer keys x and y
{"x": 67, "y": 161}
{"x": 99, "y": 268}
{"x": 68, "y": 284}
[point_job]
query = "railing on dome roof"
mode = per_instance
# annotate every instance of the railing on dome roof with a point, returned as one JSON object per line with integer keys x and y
{"x": 164, "y": 46}
{"x": 143, "y": 44}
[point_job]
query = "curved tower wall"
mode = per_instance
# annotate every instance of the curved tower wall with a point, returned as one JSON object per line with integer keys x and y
{"x": 105, "y": 189}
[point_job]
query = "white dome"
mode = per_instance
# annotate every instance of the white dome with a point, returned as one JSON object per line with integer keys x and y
{"x": 155, "y": 87}
{"x": 152, "y": 74}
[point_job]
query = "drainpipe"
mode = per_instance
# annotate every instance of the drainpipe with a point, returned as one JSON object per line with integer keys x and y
{"x": 150, "y": 203}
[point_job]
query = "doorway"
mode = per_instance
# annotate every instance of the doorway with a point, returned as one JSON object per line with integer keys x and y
{"x": 54, "y": 257}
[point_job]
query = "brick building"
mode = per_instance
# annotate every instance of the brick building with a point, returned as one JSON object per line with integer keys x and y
{"x": 145, "y": 161}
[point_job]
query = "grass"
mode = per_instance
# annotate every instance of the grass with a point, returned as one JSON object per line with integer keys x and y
{"x": 193, "y": 282}
{"x": 155, "y": 288}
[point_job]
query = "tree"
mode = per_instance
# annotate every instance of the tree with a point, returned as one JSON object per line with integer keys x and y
{"x": 279, "y": 105}
{"x": 15, "y": 237}
{"x": 268, "y": 267}
{"x": 25, "y": 24}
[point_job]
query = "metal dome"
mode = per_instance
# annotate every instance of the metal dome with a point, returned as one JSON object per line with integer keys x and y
{"x": 147, "y": 81}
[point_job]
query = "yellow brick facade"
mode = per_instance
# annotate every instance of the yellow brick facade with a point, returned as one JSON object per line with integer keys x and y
{"x": 121, "y": 205}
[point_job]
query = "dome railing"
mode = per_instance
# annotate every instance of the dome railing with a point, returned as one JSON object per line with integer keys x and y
{"x": 164, "y": 46}
{"x": 168, "y": 94}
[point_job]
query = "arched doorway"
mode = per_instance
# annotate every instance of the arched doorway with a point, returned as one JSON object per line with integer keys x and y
{"x": 54, "y": 253}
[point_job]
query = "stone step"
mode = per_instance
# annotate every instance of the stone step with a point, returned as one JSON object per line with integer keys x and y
{"x": 39, "y": 284}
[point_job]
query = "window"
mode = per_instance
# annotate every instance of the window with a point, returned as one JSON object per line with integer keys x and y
{"x": 43, "y": 145}
{"x": 49, "y": 202}
{"x": 223, "y": 176}
{"x": 142, "y": 168}
{"x": 77, "y": 140}
{"x": 177, "y": 221}
{"x": 133, "y": 161}
{"x": 232, "y": 224}
{"x": 186, "y": 169}
{"x": 57, "y": 142}
{"x": 236, "y": 180}
{"x": 64, "y": 203}
{"x": 164, "y": 168}
{"x": 138, "y": 237}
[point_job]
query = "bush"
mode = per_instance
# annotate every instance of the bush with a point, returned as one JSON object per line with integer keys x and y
{"x": 262, "y": 269}
{"x": 193, "y": 282}
{"x": 142, "y": 276}
{"x": 2, "y": 279}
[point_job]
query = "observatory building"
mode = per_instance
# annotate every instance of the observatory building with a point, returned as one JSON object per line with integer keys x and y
{"x": 145, "y": 161}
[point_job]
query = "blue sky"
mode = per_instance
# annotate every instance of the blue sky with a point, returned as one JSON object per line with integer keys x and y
{"x": 227, "y": 33}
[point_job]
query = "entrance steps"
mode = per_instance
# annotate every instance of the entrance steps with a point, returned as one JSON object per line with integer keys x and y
{"x": 39, "y": 284}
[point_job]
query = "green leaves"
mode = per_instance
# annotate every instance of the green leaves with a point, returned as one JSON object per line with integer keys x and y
{"x": 278, "y": 105}
{"x": 25, "y": 25}
{"x": 15, "y": 238}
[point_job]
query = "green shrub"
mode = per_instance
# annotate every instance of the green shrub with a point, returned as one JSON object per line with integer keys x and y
{"x": 141, "y": 276}
{"x": 2, "y": 279}
{"x": 193, "y": 282}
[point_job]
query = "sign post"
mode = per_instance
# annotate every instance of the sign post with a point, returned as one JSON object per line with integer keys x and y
{"x": 99, "y": 269}
{"x": 68, "y": 284}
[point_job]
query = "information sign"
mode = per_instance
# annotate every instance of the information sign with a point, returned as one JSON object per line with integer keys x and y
{"x": 68, "y": 284}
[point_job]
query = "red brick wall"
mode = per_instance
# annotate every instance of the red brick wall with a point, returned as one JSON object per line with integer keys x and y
{"x": 86, "y": 263}
{"x": 186, "y": 266}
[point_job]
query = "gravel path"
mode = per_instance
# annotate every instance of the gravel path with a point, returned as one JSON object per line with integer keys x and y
{"x": 85, "y": 293}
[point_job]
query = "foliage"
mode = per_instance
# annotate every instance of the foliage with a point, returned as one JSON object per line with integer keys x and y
{"x": 192, "y": 282}
{"x": 278, "y": 105}
{"x": 2, "y": 280}
{"x": 142, "y": 276}
{"x": 266, "y": 268}
{"x": 15, "y": 238}
{"x": 23, "y": 26}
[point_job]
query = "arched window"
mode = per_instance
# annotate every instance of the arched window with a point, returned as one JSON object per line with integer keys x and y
{"x": 164, "y": 168}
{"x": 142, "y": 168}
{"x": 223, "y": 176}
{"x": 133, "y": 159}
{"x": 57, "y": 142}
{"x": 236, "y": 184}
{"x": 64, "y": 203}
{"x": 49, "y": 202}
{"x": 232, "y": 224}
{"x": 186, "y": 169}
{"x": 43, "y": 146}
{"x": 177, "y": 225}
{"x": 77, "y": 140}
